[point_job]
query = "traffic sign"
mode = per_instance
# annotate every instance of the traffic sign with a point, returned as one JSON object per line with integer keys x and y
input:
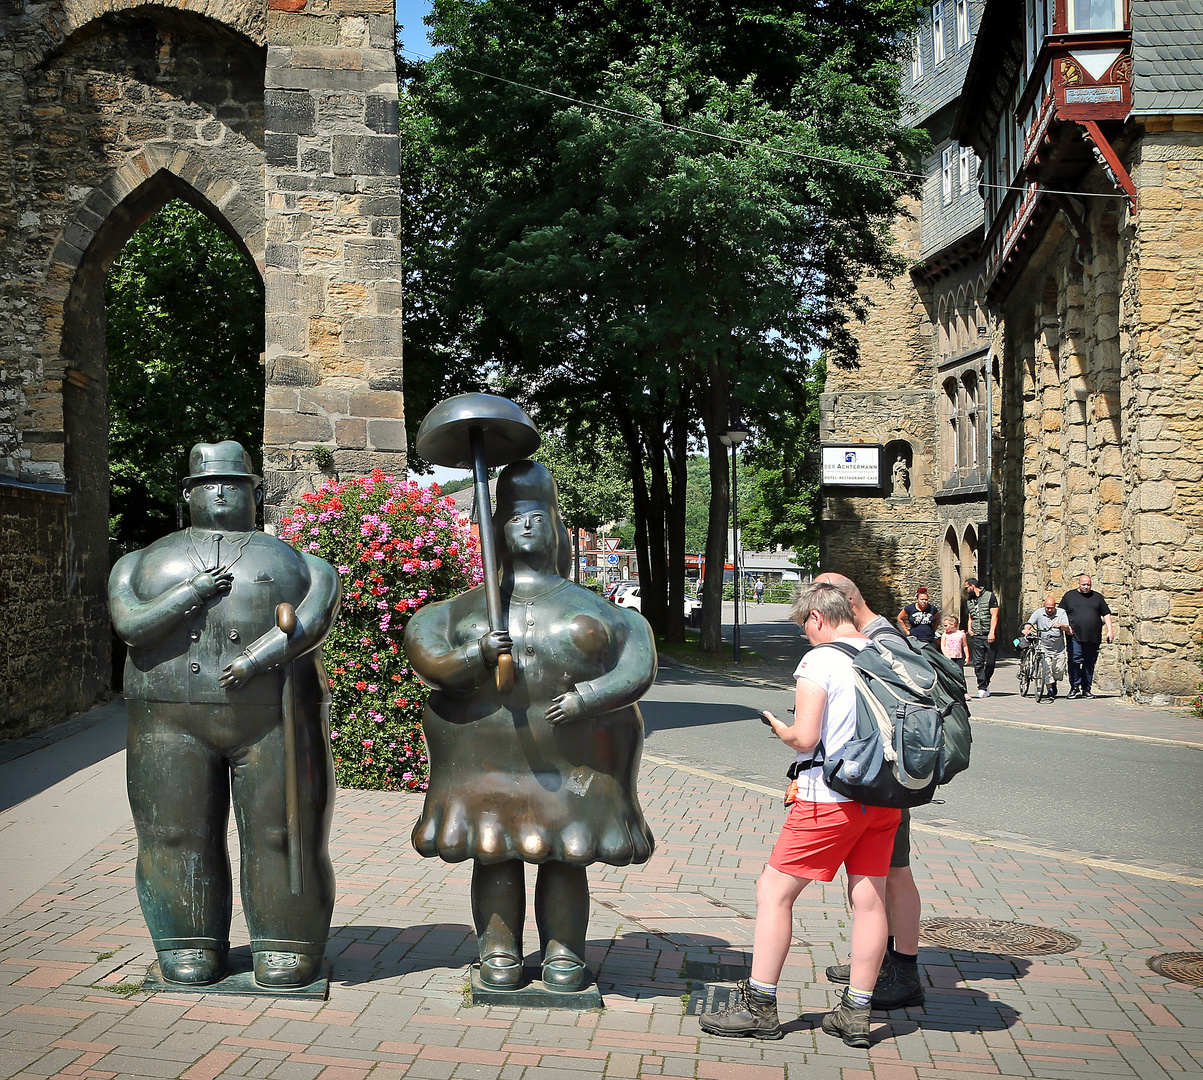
{"x": 584, "y": 561}
{"x": 612, "y": 560}
{"x": 612, "y": 544}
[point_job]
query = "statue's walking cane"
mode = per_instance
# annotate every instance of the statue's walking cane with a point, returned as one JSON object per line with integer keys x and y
{"x": 479, "y": 432}
{"x": 286, "y": 620}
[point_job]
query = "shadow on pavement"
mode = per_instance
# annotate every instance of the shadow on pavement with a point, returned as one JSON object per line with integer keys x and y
{"x": 668, "y": 715}
{"x": 628, "y": 965}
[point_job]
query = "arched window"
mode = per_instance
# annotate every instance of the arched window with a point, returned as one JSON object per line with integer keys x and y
{"x": 970, "y": 386}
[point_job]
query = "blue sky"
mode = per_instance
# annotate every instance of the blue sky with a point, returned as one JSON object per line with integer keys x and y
{"x": 410, "y": 14}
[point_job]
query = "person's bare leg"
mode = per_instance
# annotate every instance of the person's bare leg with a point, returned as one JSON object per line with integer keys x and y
{"x": 903, "y": 907}
{"x": 870, "y": 928}
{"x": 775, "y": 896}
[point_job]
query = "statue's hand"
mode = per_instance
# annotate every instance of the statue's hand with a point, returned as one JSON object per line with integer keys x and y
{"x": 238, "y": 673}
{"x": 569, "y": 706}
{"x": 212, "y": 582}
{"x": 493, "y": 644}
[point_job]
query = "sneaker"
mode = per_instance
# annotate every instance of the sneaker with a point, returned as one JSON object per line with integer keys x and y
{"x": 903, "y": 989}
{"x": 849, "y": 1022}
{"x": 983, "y": 693}
{"x": 1074, "y": 692}
{"x": 751, "y": 1014}
{"x": 1086, "y": 694}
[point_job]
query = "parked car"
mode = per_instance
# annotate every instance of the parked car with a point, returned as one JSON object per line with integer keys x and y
{"x": 618, "y": 588}
{"x": 631, "y": 598}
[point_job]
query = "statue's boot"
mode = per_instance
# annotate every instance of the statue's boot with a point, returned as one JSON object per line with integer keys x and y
{"x": 498, "y": 910}
{"x": 562, "y": 914}
{"x": 286, "y": 970}
{"x": 192, "y": 967}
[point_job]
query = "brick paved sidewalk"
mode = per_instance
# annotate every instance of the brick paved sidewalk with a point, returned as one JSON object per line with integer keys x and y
{"x": 402, "y": 944}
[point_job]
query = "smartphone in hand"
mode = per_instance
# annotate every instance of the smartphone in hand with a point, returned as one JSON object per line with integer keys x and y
{"x": 764, "y": 718}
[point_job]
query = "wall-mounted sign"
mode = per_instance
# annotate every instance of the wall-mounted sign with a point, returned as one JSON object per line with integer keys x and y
{"x": 852, "y": 465}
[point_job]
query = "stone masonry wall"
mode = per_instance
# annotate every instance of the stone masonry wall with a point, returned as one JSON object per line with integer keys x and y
{"x": 1106, "y": 416}
{"x": 333, "y": 263}
{"x": 885, "y": 543}
{"x": 108, "y": 110}
{"x": 1162, "y": 335}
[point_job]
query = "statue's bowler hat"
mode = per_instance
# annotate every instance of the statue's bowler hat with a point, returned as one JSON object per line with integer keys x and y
{"x": 220, "y": 461}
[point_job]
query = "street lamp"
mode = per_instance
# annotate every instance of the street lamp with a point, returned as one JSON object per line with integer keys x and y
{"x": 735, "y": 434}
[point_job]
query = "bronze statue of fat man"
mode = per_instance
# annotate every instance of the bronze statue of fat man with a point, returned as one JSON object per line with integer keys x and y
{"x": 541, "y": 769}
{"x": 228, "y": 702}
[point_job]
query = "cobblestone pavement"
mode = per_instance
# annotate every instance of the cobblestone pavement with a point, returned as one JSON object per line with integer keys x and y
{"x": 73, "y": 954}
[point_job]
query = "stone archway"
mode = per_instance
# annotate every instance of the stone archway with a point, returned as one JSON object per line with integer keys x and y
{"x": 115, "y": 107}
{"x": 951, "y": 576}
{"x": 85, "y": 356}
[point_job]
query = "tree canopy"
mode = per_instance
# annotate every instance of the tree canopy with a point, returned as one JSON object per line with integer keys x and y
{"x": 635, "y": 211}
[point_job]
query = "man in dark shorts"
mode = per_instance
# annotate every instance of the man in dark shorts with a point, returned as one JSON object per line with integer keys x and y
{"x": 1088, "y": 614}
{"x": 921, "y": 619}
{"x": 823, "y": 832}
{"x": 898, "y": 985}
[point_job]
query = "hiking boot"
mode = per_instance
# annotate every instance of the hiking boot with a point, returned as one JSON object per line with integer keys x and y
{"x": 842, "y": 973}
{"x": 751, "y": 1014}
{"x": 849, "y": 1022}
{"x": 904, "y": 988}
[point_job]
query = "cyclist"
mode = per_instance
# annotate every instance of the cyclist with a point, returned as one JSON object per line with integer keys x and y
{"x": 1052, "y": 624}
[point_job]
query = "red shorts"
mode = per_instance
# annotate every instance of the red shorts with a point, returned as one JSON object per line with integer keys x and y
{"x": 818, "y": 838}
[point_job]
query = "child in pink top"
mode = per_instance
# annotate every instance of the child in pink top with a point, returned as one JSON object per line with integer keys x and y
{"x": 952, "y": 642}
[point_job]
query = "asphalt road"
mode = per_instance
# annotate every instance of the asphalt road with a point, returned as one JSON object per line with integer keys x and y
{"x": 1118, "y": 798}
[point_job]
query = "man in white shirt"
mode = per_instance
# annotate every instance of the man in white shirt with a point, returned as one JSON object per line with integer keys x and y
{"x": 823, "y": 831}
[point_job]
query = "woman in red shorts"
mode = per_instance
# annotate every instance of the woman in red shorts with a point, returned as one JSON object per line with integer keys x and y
{"x": 822, "y": 832}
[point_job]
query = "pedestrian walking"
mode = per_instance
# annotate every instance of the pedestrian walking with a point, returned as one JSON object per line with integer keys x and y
{"x": 1088, "y": 616}
{"x": 1051, "y": 624}
{"x": 759, "y": 590}
{"x": 954, "y": 643}
{"x": 982, "y": 630}
{"x": 822, "y": 832}
{"x": 920, "y": 619}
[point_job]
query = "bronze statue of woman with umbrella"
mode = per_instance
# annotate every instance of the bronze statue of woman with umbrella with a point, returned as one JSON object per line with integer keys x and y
{"x": 538, "y": 764}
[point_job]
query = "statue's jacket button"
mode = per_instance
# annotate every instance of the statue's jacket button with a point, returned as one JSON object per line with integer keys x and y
{"x": 195, "y": 669}
{"x": 233, "y": 635}
{"x": 195, "y": 635}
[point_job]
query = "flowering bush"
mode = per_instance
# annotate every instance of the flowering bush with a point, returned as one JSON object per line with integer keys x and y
{"x": 397, "y": 545}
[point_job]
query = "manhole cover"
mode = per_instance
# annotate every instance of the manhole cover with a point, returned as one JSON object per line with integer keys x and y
{"x": 990, "y": 935}
{"x": 1183, "y": 967}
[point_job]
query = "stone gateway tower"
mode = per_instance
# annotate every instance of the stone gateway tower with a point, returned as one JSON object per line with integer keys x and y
{"x": 277, "y": 119}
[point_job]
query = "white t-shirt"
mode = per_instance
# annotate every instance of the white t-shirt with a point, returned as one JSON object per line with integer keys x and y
{"x": 832, "y": 670}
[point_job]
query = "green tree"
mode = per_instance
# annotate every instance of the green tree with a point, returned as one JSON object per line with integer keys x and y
{"x": 779, "y": 490}
{"x": 592, "y": 478}
{"x": 185, "y": 315}
{"x": 691, "y": 241}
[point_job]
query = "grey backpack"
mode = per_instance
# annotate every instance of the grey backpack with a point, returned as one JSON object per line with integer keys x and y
{"x": 895, "y": 758}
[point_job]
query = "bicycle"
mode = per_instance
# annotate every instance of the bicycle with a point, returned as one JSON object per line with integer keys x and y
{"x": 1029, "y": 666}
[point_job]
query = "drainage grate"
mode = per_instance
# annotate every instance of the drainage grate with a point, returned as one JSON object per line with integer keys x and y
{"x": 1183, "y": 967}
{"x": 990, "y": 935}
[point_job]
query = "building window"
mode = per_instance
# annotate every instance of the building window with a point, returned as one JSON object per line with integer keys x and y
{"x": 967, "y": 171}
{"x": 1087, "y": 15}
{"x": 946, "y": 175}
{"x": 917, "y": 59}
{"x": 937, "y": 30}
{"x": 962, "y": 23}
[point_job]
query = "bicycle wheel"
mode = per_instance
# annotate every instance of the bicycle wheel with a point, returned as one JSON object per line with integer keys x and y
{"x": 1025, "y": 676}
